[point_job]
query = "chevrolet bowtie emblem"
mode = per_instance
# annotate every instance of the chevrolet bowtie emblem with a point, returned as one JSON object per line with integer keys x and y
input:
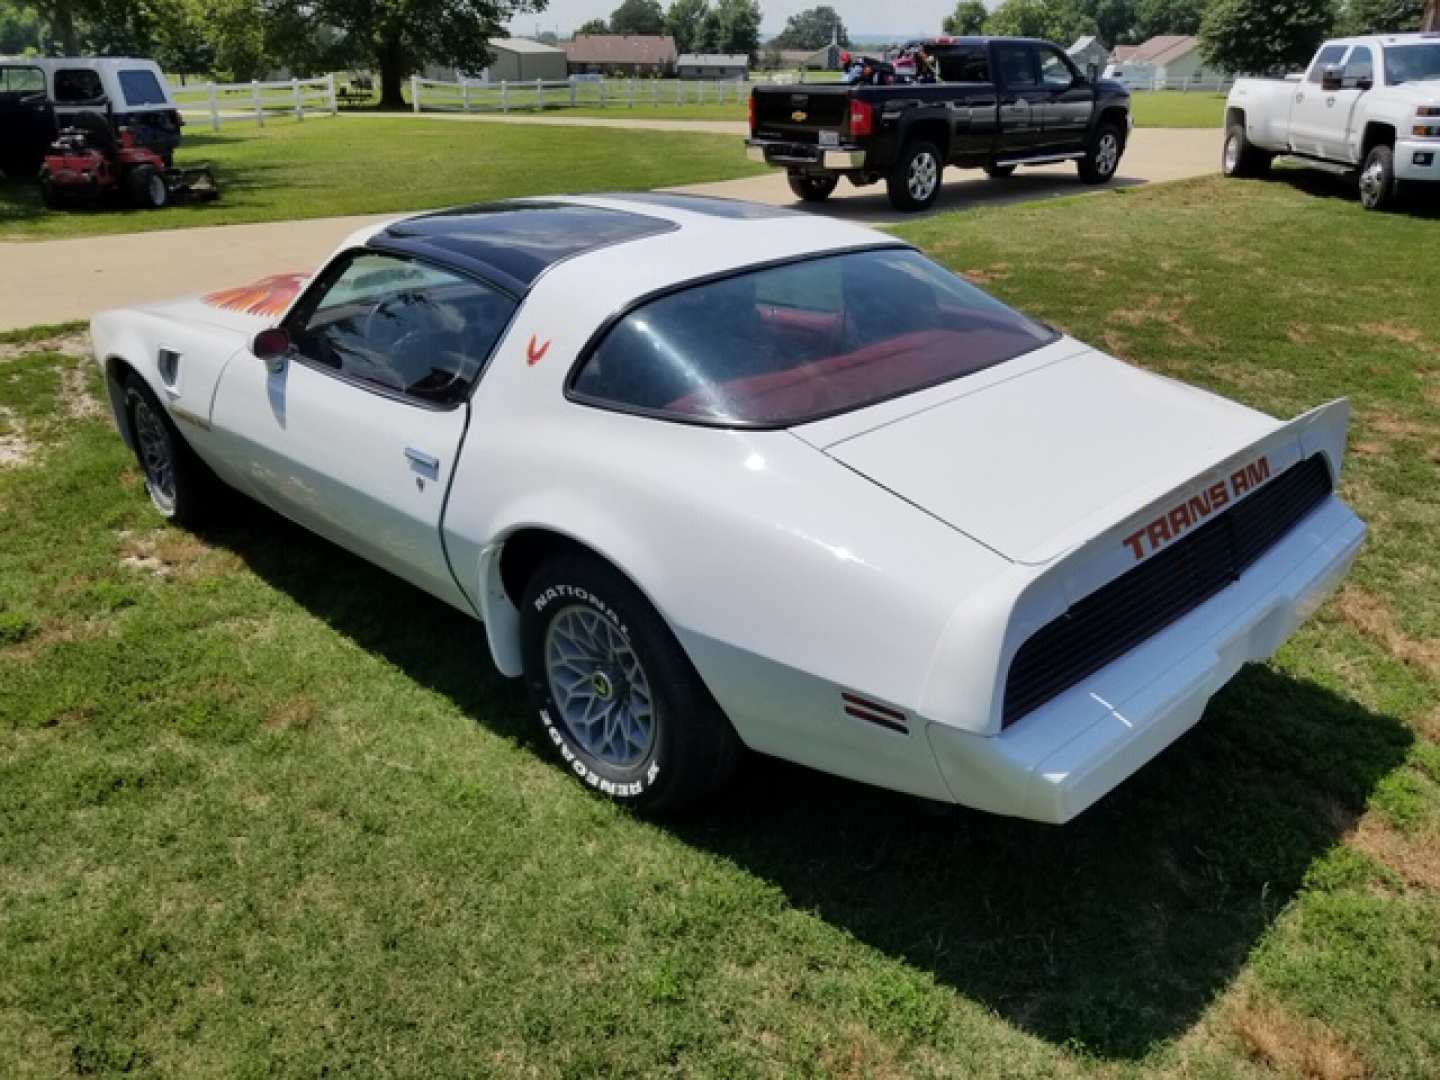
{"x": 799, "y": 116}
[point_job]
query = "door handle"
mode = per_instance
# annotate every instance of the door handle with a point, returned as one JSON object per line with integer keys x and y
{"x": 427, "y": 464}
{"x": 1330, "y": 101}
{"x": 1299, "y": 97}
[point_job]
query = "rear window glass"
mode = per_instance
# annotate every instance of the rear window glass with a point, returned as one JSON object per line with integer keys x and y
{"x": 792, "y": 343}
{"x": 141, "y": 87}
{"x": 1412, "y": 63}
{"x": 21, "y": 80}
{"x": 73, "y": 85}
{"x": 966, "y": 64}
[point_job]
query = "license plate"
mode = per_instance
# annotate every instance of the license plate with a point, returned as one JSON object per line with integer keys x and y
{"x": 829, "y": 138}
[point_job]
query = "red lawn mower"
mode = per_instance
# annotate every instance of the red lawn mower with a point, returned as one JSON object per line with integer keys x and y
{"x": 91, "y": 160}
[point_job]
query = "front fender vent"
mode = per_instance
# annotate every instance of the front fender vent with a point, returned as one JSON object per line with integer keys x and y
{"x": 1140, "y": 603}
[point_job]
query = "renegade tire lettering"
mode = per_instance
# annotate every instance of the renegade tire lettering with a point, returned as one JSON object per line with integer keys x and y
{"x": 1172, "y": 525}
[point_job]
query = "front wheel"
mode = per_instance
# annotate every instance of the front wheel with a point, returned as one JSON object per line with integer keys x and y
{"x": 147, "y": 187}
{"x": 914, "y": 182}
{"x": 178, "y": 483}
{"x": 812, "y": 188}
{"x": 1378, "y": 189}
{"x": 618, "y": 699}
{"x": 1103, "y": 156}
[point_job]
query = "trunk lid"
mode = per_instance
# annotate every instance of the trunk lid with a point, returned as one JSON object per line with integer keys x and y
{"x": 1037, "y": 463}
{"x": 800, "y": 112}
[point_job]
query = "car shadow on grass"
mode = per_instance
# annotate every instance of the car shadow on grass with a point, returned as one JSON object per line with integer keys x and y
{"x": 1416, "y": 200}
{"x": 1107, "y": 935}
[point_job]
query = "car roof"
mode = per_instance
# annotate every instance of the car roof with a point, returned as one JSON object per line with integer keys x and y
{"x": 512, "y": 243}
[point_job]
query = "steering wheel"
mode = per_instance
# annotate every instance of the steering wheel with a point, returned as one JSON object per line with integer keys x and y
{"x": 387, "y": 309}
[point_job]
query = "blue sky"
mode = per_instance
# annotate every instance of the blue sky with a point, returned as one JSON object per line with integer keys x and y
{"x": 899, "y": 19}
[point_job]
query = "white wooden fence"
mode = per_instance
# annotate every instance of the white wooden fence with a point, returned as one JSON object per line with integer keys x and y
{"x": 578, "y": 91}
{"x": 254, "y": 101}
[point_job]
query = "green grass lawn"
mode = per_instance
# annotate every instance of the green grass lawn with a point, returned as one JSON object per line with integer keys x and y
{"x": 264, "y": 810}
{"x": 1172, "y": 109}
{"x": 329, "y": 166}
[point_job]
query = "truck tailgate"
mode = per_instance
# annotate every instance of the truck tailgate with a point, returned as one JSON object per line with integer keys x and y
{"x": 799, "y": 113}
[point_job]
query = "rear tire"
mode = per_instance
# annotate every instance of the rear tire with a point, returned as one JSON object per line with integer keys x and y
{"x": 1102, "y": 157}
{"x": 1378, "y": 189}
{"x": 179, "y": 484}
{"x": 812, "y": 188}
{"x": 999, "y": 172}
{"x": 914, "y": 182}
{"x": 147, "y": 188}
{"x": 619, "y": 701}
{"x": 1241, "y": 157}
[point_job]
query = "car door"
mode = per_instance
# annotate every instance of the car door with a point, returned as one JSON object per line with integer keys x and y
{"x": 1340, "y": 138}
{"x": 965, "y": 71}
{"x": 1022, "y": 101}
{"x": 26, "y": 119}
{"x": 355, "y": 432}
{"x": 1069, "y": 102}
{"x": 1312, "y": 111}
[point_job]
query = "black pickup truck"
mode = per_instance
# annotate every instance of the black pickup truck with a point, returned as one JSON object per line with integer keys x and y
{"x": 998, "y": 103}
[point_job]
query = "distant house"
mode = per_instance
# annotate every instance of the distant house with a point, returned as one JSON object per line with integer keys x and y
{"x": 826, "y": 59}
{"x": 712, "y": 65}
{"x": 1089, "y": 50}
{"x": 1167, "y": 60}
{"x": 621, "y": 54}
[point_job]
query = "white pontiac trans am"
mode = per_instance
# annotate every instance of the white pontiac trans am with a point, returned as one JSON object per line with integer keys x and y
{"x": 718, "y": 476}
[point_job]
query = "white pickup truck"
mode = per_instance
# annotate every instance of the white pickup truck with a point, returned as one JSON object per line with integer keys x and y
{"x": 1367, "y": 106}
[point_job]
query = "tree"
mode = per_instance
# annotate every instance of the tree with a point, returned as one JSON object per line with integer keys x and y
{"x": 1114, "y": 19}
{"x": 395, "y": 37}
{"x": 638, "y": 17}
{"x": 732, "y": 26}
{"x": 594, "y": 26}
{"x": 812, "y": 29}
{"x": 968, "y": 18}
{"x": 1060, "y": 21}
{"x": 1154, "y": 17}
{"x": 1380, "y": 16}
{"x": 19, "y": 29}
{"x": 683, "y": 22}
{"x": 1264, "y": 35}
{"x": 1432, "y": 16}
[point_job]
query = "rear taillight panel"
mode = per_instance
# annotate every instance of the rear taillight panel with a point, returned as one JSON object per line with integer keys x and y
{"x": 861, "y": 118}
{"x": 751, "y": 103}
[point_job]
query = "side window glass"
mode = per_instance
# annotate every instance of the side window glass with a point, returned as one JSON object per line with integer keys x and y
{"x": 77, "y": 86}
{"x": 1055, "y": 73}
{"x": 1331, "y": 54}
{"x": 401, "y": 325}
{"x": 1017, "y": 64}
{"x": 966, "y": 64}
{"x": 1360, "y": 66}
{"x": 21, "y": 80}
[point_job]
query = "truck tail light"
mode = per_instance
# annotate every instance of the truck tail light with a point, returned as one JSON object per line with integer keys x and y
{"x": 862, "y": 118}
{"x": 750, "y": 103}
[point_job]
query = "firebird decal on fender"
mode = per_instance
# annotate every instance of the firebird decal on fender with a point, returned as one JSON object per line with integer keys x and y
{"x": 269, "y": 296}
{"x": 1171, "y": 526}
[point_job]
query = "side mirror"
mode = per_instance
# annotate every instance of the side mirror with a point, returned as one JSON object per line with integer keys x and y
{"x": 1365, "y": 82}
{"x": 1332, "y": 78}
{"x": 272, "y": 346}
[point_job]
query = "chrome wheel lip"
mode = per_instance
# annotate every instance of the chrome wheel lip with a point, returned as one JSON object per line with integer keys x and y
{"x": 1232, "y": 153}
{"x": 1372, "y": 183}
{"x": 600, "y": 690}
{"x": 923, "y": 177}
{"x": 1107, "y": 154}
{"x": 157, "y": 458}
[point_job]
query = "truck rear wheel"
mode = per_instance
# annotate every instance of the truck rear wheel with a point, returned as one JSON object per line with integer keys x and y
{"x": 812, "y": 188}
{"x": 1378, "y": 190}
{"x": 914, "y": 182}
{"x": 1241, "y": 157}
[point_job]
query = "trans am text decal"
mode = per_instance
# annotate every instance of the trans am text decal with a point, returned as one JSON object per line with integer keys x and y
{"x": 1184, "y": 517}
{"x": 268, "y": 296}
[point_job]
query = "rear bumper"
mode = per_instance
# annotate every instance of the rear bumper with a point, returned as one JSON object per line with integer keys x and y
{"x": 835, "y": 159}
{"x": 1417, "y": 159}
{"x": 1064, "y": 756}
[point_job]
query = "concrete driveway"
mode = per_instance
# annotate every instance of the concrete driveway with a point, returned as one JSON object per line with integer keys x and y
{"x": 60, "y": 280}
